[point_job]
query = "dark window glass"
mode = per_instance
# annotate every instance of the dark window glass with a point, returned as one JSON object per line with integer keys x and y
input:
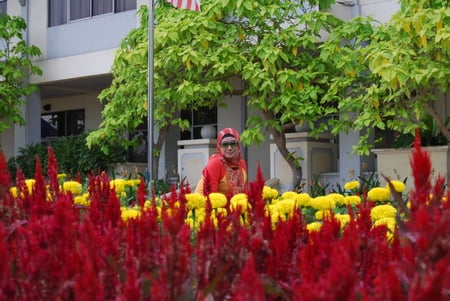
{"x": 100, "y": 7}
{"x": 3, "y": 7}
{"x": 57, "y": 12}
{"x": 60, "y": 124}
{"x": 124, "y": 5}
{"x": 80, "y": 9}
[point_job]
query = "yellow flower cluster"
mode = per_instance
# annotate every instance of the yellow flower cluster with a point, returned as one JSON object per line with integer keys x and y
{"x": 379, "y": 194}
{"x": 217, "y": 199}
{"x": 303, "y": 199}
{"x": 82, "y": 200}
{"x": 30, "y": 186}
{"x": 322, "y": 203}
{"x": 352, "y": 200}
{"x": 240, "y": 200}
{"x": 314, "y": 226}
{"x": 74, "y": 187}
{"x": 269, "y": 193}
{"x": 322, "y": 214}
{"x": 118, "y": 185}
{"x": 343, "y": 219}
{"x": 352, "y": 185}
{"x": 399, "y": 186}
{"x": 389, "y": 223}
{"x": 129, "y": 213}
{"x": 338, "y": 198}
{"x": 285, "y": 206}
{"x": 382, "y": 211}
{"x": 195, "y": 201}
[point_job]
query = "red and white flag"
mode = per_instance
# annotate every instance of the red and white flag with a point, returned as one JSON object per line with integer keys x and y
{"x": 186, "y": 4}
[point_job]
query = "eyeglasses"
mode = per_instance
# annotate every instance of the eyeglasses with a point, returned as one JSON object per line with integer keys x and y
{"x": 226, "y": 144}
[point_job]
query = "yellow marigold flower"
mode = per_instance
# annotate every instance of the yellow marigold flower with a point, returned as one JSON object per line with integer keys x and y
{"x": 274, "y": 201}
{"x": 199, "y": 214}
{"x": 73, "y": 186}
{"x": 130, "y": 213}
{"x": 269, "y": 193}
{"x": 220, "y": 211}
{"x": 380, "y": 194}
{"x": 344, "y": 219}
{"x": 321, "y": 214}
{"x": 303, "y": 199}
{"x": 389, "y": 222}
{"x": 399, "y": 186}
{"x": 195, "y": 201}
{"x": 275, "y": 218}
{"x": 338, "y": 198}
{"x": 81, "y": 200}
{"x": 132, "y": 182}
{"x": 314, "y": 226}
{"x": 289, "y": 195}
{"x": 118, "y": 185}
{"x": 285, "y": 206}
{"x": 322, "y": 203}
{"x": 382, "y": 211}
{"x": 351, "y": 185}
{"x": 217, "y": 199}
{"x": 61, "y": 176}
{"x": 30, "y": 184}
{"x": 270, "y": 209}
{"x": 13, "y": 191}
{"x": 352, "y": 199}
{"x": 240, "y": 200}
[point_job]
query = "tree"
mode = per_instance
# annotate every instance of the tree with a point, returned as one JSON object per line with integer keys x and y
{"x": 15, "y": 69}
{"x": 270, "y": 46}
{"x": 284, "y": 74}
{"x": 191, "y": 69}
{"x": 392, "y": 76}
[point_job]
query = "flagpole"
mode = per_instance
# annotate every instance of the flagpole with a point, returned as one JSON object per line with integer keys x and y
{"x": 150, "y": 131}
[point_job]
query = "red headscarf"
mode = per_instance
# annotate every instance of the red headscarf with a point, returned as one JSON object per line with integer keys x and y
{"x": 225, "y": 133}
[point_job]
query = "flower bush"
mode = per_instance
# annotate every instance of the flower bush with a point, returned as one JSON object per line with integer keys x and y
{"x": 111, "y": 241}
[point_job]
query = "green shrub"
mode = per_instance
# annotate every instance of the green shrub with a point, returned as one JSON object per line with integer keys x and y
{"x": 27, "y": 160}
{"x": 72, "y": 154}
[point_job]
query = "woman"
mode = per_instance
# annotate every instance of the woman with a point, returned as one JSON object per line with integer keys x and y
{"x": 226, "y": 171}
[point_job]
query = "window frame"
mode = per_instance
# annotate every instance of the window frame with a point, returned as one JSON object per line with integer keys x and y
{"x": 66, "y": 131}
{"x": 197, "y": 119}
{"x": 65, "y": 16}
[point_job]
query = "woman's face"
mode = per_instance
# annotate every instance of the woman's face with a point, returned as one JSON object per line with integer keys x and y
{"x": 229, "y": 147}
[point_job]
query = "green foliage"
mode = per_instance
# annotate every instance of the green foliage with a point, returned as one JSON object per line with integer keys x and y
{"x": 197, "y": 55}
{"x": 26, "y": 160}
{"x": 72, "y": 154}
{"x": 368, "y": 182}
{"x": 319, "y": 188}
{"x": 391, "y": 73}
{"x": 430, "y": 135}
{"x": 15, "y": 69}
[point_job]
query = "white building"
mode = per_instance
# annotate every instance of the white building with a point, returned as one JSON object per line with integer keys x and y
{"x": 77, "y": 53}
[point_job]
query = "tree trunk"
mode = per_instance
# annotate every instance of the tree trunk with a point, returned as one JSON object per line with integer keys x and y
{"x": 291, "y": 159}
{"x": 440, "y": 123}
{"x": 162, "y": 134}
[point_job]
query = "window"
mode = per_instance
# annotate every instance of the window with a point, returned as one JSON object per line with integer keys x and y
{"x": 197, "y": 119}
{"x": 82, "y": 9}
{"x": 3, "y": 7}
{"x": 60, "y": 124}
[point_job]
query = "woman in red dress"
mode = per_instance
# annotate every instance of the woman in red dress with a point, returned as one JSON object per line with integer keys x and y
{"x": 226, "y": 171}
